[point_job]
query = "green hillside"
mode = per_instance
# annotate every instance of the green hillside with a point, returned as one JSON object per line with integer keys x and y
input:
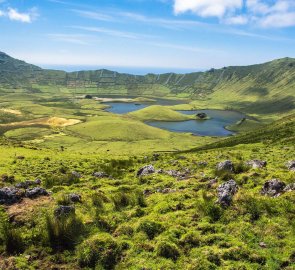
{"x": 269, "y": 86}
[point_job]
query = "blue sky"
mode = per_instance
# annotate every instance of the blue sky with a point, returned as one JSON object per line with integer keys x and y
{"x": 147, "y": 35}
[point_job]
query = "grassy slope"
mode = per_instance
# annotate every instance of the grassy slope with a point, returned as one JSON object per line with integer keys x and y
{"x": 159, "y": 113}
{"x": 201, "y": 234}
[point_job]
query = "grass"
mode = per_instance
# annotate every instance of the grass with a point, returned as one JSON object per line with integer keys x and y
{"x": 159, "y": 113}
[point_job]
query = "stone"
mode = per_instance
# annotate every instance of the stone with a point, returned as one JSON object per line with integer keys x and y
{"x": 202, "y": 163}
{"x": 26, "y": 184}
{"x": 146, "y": 170}
{"x": 35, "y": 192}
{"x": 273, "y": 188}
{"x": 226, "y": 191}
{"x": 10, "y": 195}
{"x": 226, "y": 165}
{"x": 263, "y": 245}
{"x": 76, "y": 174}
{"x": 100, "y": 174}
{"x": 290, "y": 187}
{"x": 291, "y": 165}
{"x": 201, "y": 115}
{"x": 255, "y": 163}
{"x": 75, "y": 197}
{"x": 64, "y": 210}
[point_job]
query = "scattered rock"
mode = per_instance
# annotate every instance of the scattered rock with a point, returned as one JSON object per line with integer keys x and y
{"x": 28, "y": 183}
{"x": 291, "y": 165}
{"x": 226, "y": 165}
{"x": 263, "y": 245}
{"x": 147, "y": 192}
{"x": 10, "y": 195}
{"x": 273, "y": 188}
{"x": 88, "y": 97}
{"x": 75, "y": 197}
{"x": 181, "y": 175}
{"x": 20, "y": 157}
{"x": 146, "y": 170}
{"x": 201, "y": 115}
{"x": 255, "y": 163}
{"x": 167, "y": 190}
{"x": 64, "y": 210}
{"x": 212, "y": 182}
{"x": 289, "y": 187}
{"x": 36, "y": 192}
{"x": 100, "y": 174}
{"x": 76, "y": 174}
{"x": 226, "y": 191}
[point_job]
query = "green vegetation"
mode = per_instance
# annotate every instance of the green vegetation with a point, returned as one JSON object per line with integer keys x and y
{"x": 99, "y": 214}
{"x": 160, "y": 113}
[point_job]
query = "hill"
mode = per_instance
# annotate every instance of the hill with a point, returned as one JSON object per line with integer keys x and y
{"x": 270, "y": 86}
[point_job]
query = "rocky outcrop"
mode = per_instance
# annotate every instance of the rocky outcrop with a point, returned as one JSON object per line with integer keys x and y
{"x": 273, "y": 188}
{"x": 10, "y": 195}
{"x": 291, "y": 165}
{"x": 226, "y": 165}
{"x": 226, "y": 191}
{"x": 76, "y": 174}
{"x": 201, "y": 115}
{"x": 290, "y": 187}
{"x": 64, "y": 210}
{"x": 75, "y": 197}
{"x": 146, "y": 170}
{"x": 28, "y": 183}
{"x": 255, "y": 163}
{"x": 36, "y": 192}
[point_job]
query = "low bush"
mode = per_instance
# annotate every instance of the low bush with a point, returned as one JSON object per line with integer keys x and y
{"x": 150, "y": 228}
{"x": 167, "y": 250}
{"x": 99, "y": 251}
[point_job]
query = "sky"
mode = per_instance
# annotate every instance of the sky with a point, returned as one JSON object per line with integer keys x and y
{"x": 141, "y": 36}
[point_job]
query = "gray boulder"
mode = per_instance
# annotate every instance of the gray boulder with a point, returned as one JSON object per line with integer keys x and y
{"x": 146, "y": 170}
{"x": 291, "y": 165}
{"x": 255, "y": 163}
{"x": 226, "y": 191}
{"x": 273, "y": 188}
{"x": 35, "y": 192}
{"x": 290, "y": 187}
{"x": 100, "y": 174}
{"x": 76, "y": 174}
{"x": 75, "y": 197}
{"x": 10, "y": 195}
{"x": 28, "y": 183}
{"x": 64, "y": 210}
{"x": 226, "y": 165}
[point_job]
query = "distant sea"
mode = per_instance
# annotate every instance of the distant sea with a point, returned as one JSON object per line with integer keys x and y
{"x": 129, "y": 70}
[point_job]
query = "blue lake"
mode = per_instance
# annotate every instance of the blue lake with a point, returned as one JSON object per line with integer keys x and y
{"x": 215, "y": 126}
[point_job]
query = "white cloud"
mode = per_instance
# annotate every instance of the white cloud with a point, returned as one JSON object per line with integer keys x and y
{"x": 14, "y": 15}
{"x": 263, "y": 13}
{"x": 286, "y": 19}
{"x": 94, "y": 15}
{"x": 237, "y": 20}
{"x": 207, "y": 8}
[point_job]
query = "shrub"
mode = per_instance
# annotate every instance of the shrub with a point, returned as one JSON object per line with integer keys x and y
{"x": 63, "y": 199}
{"x": 168, "y": 250}
{"x": 190, "y": 240}
{"x": 12, "y": 239}
{"x": 209, "y": 208}
{"x": 63, "y": 232}
{"x": 150, "y": 228}
{"x": 99, "y": 250}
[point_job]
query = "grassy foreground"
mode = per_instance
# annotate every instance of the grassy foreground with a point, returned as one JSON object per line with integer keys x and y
{"x": 157, "y": 221}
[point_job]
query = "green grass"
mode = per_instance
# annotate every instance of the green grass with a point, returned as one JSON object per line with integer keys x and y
{"x": 159, "y": 113}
